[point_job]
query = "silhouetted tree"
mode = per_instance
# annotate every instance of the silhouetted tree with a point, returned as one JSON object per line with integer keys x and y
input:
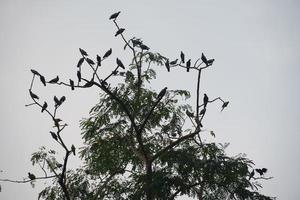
{"x": 139, "y": 144}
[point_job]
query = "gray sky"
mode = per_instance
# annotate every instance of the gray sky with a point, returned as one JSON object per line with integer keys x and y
{"x": 255, "y": 43}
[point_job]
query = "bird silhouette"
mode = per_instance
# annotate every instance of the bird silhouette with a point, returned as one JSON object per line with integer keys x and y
{"x": 115, "y": 15}
{"x": 167, "y": 64}
{"x": 251, "y": 174}
{"x": 44, "y": 107}
{"x": 107, "y": 53}
{"x": 35, "y": 72}
{"x": 204, "y": 59}
{"x": 225, "y": 104}
{"x": 203, "y": 111}
{"x": 79, "y": 76}
{"x": 54, "y": 80}
{"x": 83, "y": 52}
{"x": 72, "y": 84}
{"x": 205, "y": 100}
{"x": 174, "y": 62}
{"x": 119, "y": 31}
{"x": 182, "y": 57}
{"x": 119, "y": 63}
{"x": 210, "y": 61}
{"x": 31, "y": 176}
{"x": 42, "y": 78}
{"x": 34, "y": 96}
{"x": 261, "y": 171}
{"x": 88, "y": 84}
{"x": 162, "y": 93}
{"x": 136, "y": 42}
{"x": 73, "y": 149}
{"x": 188, "y": 65}
{"x": 54, "y": 136}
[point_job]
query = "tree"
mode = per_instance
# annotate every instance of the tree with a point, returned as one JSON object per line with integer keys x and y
{"x": 140, "y": 144}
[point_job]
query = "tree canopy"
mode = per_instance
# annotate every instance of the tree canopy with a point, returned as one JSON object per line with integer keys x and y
{"x": 140, "y": 143}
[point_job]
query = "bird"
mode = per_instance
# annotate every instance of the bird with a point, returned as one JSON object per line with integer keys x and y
{"x": 188, "y": 65}
{"x": 251, "y": 174}
{"x": 119, "y": 31}
{"x": 204, "y": 59}
{"x": 205, "y": 100}
{"x": 173, "y": 62}
{"x": 34, "y": 96}
{"x": 42, "y": 78}
{"x": 210, "y": 61}
{"x": 79, "y": 76}
{"x": 72, "y": 84}
{"x": 167, "y": 64}
{"x": 73, "y": 149}
{"x": 119, "y": 63}
{"x": 31, "y": 176}
{"x": 54, "y": 80}
{"x": 107, "y": 53}
{"x": 115, "y": 15}
{"x": 182, "y": 57}
{"x": 83, "y": 52}
{"x": 162, "y": 93}
{"x": 54, "y": 136}
{"x": 80, "y": 61}
{"x": 225, "y": 104}
{"x": 88, "y": 84}
{"x": 44, "y": 107}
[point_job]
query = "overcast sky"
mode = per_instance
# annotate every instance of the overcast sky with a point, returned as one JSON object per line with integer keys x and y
{"x": 256, "y": 45}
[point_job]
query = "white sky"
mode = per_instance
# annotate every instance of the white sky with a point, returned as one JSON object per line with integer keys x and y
{"x": 255, "y": 43}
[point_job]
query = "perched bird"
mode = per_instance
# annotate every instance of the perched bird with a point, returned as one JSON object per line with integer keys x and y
{"x": 83, "y": 52}
{"x": 55, "y": 80}
{"x": 44, "y": 107}
{"x": 189, "y": 114}
{"x": 188, "y": 65}
{"x": 136, "y": 42}
{"x": 42, "y": 78}
{"x": 167, "y": 64}
{"x": 98, "y": 60}
{"x": 162, "y": 93}
{"x": 119, "y": 63}
{"x": 107, "y": 53}
{"x": 251, "y": 174}
{"x": 225, "y": 104}
{"x": 34, "y": 96}
{"x": 182, "y": 57}
{"x": 80, "y": 61}
{"x": 72, "y": 84}
{"x": 31, "y": 176}
{"x": 173, "y": 62}
{"x": 88, "y": 84}
{"x": 119, "y": 31}
{"x": 204, "y": 59}
{"x": 35, "y": 72}
{"x": 90, "y": 61}
{"x": 115, "y": 15}
{"x": 205, "y": 100}
{"x": 54, "y": 136}
{"x": 79, "y": 76}
{"x": 73, "y": 149}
